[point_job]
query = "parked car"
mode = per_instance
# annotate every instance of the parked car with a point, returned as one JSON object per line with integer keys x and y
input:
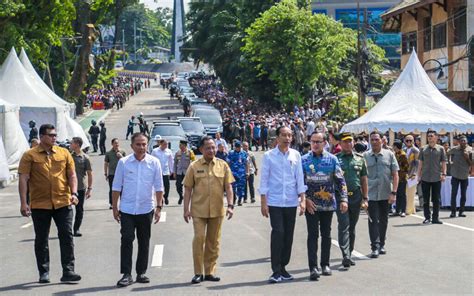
{"x": 172, "y": 131}
{"x": 210, "y": 118}
{"x": 194, "y": 130}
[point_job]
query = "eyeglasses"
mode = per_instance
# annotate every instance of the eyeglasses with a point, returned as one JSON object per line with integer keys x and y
{"x": 317, "y": 142}
{"x": 51, "y": 135}
{"x": 408, "y": 141}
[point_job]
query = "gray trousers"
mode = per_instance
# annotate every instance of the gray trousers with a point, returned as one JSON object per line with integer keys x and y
{"x": 347, "y": 223}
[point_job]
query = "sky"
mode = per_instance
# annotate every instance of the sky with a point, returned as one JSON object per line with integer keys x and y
{"x": 152, "y": 4}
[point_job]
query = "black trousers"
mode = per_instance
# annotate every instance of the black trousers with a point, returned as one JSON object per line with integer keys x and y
{"x": 454, "y": 192}
{"x": 142, "y": 225}
{"x": 282, "y": 221}
{"x": 346, "y": 224}
{"x": 433, "y": 190}
{"x": 179, "y": 185}
{"x": 378, "y": 221}
{"x": 94, "y": 142}
{"x": 79, "y": 210}
{"x": 251, "y": 188}
{"x": 129, "y": 132}
{"x": 319, "y": 221}
{"x": 102, "y": 146}
{"x": 111, "y": 181}
{"x": 42, "y": 222}
{"x": 166, "y": 183}
{"x": 401, "y": 197}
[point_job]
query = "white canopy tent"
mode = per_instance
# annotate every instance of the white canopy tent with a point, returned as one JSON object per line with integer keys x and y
{"x": 73, "y": 128}
{"x": 42, "y": 85}
{"x": 15, "y": 142}
{"x": 4, "y": 172}
{"x": 413, "y": 104}
{"x": 17, "y": 88}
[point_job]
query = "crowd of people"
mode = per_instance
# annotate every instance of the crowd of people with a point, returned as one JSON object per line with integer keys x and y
{"x": 116, "y": 93}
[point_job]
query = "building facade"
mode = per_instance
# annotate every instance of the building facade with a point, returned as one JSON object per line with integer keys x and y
{"x": 345, "y": 11}
{"x": 441, "y": 32}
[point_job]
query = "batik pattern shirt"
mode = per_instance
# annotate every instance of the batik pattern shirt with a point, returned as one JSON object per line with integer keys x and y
{"x": 323, "y": 176}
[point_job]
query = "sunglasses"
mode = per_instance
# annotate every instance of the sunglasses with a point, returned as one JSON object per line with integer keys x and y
{"x": 408, "y": 141}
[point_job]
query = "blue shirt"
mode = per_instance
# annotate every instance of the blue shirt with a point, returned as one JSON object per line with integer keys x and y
{"x": 238, "y": 162}
{"x": 282, "y": 179}
{"x": 323, "y": 177}
{"x": 138, "y": 181}
{"x": 256, "y": 132}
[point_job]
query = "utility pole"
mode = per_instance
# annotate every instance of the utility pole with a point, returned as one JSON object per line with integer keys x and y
{"x": 365, "y": 62}
{"x": 135, "y": 40}
{"x": 123, "y": 47}
{"x": 359, "y": 90}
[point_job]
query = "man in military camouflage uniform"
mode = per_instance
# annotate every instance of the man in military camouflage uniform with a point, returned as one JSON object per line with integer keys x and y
{"x": 237, "y": 160}
{"x": 355, "y": 175}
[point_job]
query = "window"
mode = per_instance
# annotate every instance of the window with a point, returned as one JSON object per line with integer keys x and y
{"x": 427, "y": 33}
{"x": 320, "y": 11}
{"x": 408, "y": 42}
{"x": 439, "y": 36}
{"x": 460, "y": 26}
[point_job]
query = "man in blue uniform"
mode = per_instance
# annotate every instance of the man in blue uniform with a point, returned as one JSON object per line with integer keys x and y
{"x": 237, "y": 160}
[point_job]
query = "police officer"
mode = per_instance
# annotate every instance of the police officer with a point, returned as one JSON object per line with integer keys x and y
{"x": 238, "y": 162}
{"x": 355, "y": 174}
{"x": 94, "y": 132}
{"x": 182, "y": 160}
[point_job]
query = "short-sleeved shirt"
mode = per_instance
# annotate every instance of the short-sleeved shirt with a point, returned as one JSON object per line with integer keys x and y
{"x": 460, "y": 167}
{"x": 82, "y": 164}
{"x": 432, "y": 159}
{"x": 208, "y": 180}
{"x": 112, "y": 159}
{"x": 237, "y": 161}
{"x": 379, "y": 172}
{"x": 354, "y": 167}
{"x": 48, "y": 183}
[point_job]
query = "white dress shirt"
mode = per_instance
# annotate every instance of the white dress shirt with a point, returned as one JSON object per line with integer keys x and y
{"x": 166, "y": 159}
{"x": 221, "y": 141}
{"x": 282, "y": 179}
{"x": 138, "y": 181}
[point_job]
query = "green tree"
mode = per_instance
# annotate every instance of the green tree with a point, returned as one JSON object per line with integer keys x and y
{"x": 295, "y": 48}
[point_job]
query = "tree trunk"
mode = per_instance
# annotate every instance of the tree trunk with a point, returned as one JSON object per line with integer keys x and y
{"x": 81, "y": 68}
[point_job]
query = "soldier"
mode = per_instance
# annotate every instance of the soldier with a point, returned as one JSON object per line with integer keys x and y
{"x": 237, "y": 160}
{"x": 355, "y": 175}
{"x": 182, "y": 160}
{"x": 33, "y": 131}
{"x": 94, "y": 132}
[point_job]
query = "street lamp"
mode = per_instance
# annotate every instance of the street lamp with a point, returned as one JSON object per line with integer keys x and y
{"x": 440, "y": 68}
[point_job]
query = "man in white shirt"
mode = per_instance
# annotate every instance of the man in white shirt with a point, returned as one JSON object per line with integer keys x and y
{"x": 218, "y": 140}
{"x": 136, "y": 178}
{"x": 282, "y": 189}
{"x": 165, "y": 155}
{"x": 310, "y": 127}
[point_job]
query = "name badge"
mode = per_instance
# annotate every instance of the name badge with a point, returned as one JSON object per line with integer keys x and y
{"x": 200, "y": 171}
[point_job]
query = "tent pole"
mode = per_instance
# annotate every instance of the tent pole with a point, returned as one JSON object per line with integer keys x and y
{"x": 451, "y": 139}
{"x": 391, "y": 135}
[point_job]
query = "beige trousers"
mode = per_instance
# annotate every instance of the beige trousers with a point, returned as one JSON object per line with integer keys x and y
{"x": 207, "y": 234}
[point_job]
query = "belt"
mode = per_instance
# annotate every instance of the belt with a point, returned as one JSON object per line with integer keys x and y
{"x": 350, "y": 193}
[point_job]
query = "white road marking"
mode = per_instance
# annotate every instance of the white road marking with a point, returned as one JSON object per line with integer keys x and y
{"x": 445, "y": 223}
{"x": 354, "y": 252}
{"x": 163, "y": 217}
{"x": 27, "y": 225}
{"x": 157, "y": 256}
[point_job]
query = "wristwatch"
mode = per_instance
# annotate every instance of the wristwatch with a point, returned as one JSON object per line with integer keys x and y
{"x": 75, "y": 194}
{"x": 230, "y": 206}
{"x": 159, "y": 207}
{"x": 394, "y": 192}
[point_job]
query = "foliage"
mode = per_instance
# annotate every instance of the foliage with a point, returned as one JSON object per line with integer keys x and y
{"x": 295, "y": 48}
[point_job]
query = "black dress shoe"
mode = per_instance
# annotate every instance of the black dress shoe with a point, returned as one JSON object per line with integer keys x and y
{"x": 453, "y": 215}
{"x": 346, "y": 262}
{"x": 382, "y": 251}
{"x": 212, "y": 278}
{"x": 77, "y": 234}
{"x": 126, "y": 280}
{"x": 314, "y": 275}
{"x": 461, "y": 214}
{"x": 180, "y": 201}
{"x": 44, "y": 278}
{"x": 436, "y": 222}
{"x": 70, "y": 276}
{"x": 253, "y": 200}
{"x": 353, "y": 263}
{"x": 166, "y": 201}
{"x": 426, "y": 221}
{"x": 374, "y": 254}
{"x": 197, "y": 279}
{"x": 326, "y": 270}
{"x": 142, "y": 278}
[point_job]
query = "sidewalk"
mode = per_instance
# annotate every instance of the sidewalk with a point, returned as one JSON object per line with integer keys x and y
{"x": 85, "y": 119}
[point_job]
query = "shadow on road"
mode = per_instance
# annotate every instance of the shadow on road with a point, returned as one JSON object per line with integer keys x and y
{"x": 30, "y": 286}
{"x": 86, "y": 290}
{"x": 32, "y": 240}
{"x": 244, "y": 262}
{"x": 162, "y": 286}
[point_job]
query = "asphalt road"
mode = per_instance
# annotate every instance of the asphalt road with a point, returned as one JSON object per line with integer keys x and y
{"x": 421, "y": 259}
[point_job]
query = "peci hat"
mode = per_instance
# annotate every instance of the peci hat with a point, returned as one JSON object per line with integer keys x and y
{"x": 237, "y": 144}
